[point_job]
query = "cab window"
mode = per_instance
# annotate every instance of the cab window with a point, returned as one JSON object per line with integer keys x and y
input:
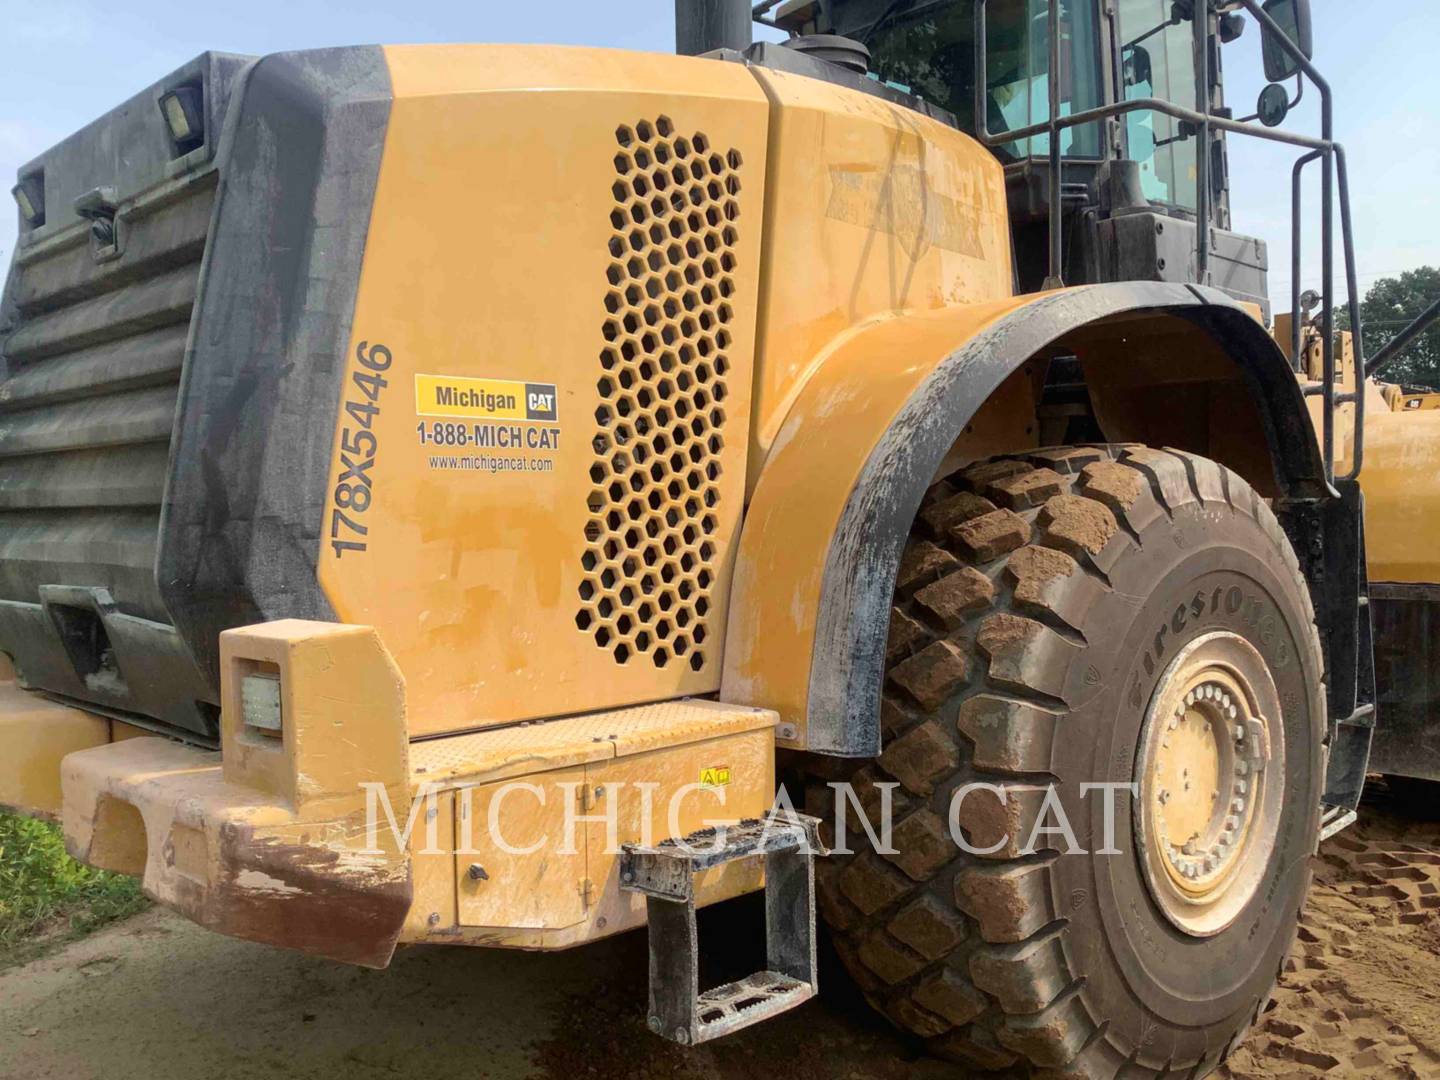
{"x": 929, "y": 49}
{"x": 1157, "y": 60}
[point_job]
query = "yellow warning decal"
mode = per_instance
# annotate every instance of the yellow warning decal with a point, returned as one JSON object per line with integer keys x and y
{"x": 489, "y": 399}
{"x": 717, "y": 776}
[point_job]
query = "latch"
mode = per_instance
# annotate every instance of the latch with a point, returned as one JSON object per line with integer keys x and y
{"x": 98, "y": 206}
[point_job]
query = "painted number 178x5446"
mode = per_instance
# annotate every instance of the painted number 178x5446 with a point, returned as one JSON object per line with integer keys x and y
{"x": 355, "y": 488}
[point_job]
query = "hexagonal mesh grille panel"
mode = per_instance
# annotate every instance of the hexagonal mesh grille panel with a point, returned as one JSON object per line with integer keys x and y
{"x": 660, "y": 427}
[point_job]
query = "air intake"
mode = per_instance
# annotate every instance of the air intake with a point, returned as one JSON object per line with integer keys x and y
{"x": 660, "y": 425}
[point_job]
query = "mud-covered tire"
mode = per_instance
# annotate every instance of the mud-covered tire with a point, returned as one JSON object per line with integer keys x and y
{"x": 1037, "y": 602}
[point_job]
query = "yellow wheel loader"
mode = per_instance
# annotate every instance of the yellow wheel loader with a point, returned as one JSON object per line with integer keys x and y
{"x": 445, "y": 491}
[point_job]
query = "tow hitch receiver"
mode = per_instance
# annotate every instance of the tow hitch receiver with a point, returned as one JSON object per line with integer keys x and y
{"x": 666, "y": 875}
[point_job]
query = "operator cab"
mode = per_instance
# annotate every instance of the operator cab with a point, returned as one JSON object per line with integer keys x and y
{"x": 1128, "y": 190}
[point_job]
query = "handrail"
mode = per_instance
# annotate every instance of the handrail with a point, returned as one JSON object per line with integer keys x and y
{"x": 1200, "y": 49}
{"x": 1055, "y": 279}
{"x": 1357, "y": 334}
{"x": 1330, "y": 153}
{"x": 1295, "y": 240}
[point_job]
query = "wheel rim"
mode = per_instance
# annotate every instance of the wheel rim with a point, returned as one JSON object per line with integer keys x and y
{"x": 1211, "y": 774}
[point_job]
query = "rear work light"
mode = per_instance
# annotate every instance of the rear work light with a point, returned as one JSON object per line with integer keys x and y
{"x": 30, "y": 197}
{"x": 184, "y": 111}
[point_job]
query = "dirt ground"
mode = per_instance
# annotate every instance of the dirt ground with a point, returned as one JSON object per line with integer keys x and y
{"x": 158, "y": 999}
{"x": 1361, "y": 996}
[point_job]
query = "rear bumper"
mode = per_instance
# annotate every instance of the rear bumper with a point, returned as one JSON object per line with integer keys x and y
{"x": 35, "y": 734}
{"x": 284, "y": 840}
{"x": 231, "y": 859}
{"x": 268, "y": 844}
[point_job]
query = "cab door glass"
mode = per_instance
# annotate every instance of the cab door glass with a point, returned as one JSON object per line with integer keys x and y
{"x": 1157, "y": 60}
{"x": 1018, "y": 74}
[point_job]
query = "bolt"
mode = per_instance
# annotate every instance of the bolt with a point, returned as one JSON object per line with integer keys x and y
{"x": 478, "y": 873}
{"x": 654, "y": 1024}
{"x": 434, "y": 919}
{"x": 1163, "y": 797}
{"x": 682, "y": 1036}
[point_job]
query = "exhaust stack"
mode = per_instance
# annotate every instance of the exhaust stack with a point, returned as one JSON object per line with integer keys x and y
{"x": 702, "y": 26}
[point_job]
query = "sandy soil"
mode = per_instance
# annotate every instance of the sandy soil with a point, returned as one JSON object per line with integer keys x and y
{"x": 1361, "y": 996}
{"x": 159, "y": 999}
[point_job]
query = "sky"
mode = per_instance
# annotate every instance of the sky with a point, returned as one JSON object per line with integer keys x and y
{"x": 66, "y": 61}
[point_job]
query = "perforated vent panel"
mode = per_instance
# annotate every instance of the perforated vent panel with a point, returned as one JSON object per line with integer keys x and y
{"x": 660, "y": 426}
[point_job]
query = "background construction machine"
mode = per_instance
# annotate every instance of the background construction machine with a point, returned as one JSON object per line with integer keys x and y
{"x": 523, "y": 439}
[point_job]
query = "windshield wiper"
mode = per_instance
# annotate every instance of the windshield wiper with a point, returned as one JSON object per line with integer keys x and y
{"x": 885, "y": 17}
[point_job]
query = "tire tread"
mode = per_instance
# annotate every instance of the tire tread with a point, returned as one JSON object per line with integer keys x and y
{"x": 1006, "y": 557}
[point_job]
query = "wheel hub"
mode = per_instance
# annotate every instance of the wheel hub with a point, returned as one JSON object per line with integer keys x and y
{"x": 1210, "y": 782}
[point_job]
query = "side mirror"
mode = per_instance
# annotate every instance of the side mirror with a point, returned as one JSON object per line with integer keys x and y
{"x": 1293, "y": 17}
{"x": 1137, "y": 69}
{"x": 1273, "y": 105}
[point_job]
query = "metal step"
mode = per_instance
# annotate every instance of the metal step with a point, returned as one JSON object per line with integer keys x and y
{"x": 1335, "y": 819}
{"x": 665, "y": 874}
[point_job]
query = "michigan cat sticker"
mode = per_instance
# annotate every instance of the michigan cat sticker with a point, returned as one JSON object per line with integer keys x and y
{"x": 487, "y": 427}
{"x": 485, "y": 399}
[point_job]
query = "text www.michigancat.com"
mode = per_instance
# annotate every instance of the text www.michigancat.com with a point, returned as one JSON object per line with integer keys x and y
{"x": 486, "y": 463}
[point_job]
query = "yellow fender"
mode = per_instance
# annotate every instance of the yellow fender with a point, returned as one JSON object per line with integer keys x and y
{"x": 866, "y": 436}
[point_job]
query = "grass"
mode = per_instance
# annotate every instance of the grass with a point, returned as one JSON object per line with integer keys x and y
{"x": 46, "y": 897}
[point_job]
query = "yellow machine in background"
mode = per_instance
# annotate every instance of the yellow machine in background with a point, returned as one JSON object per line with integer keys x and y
{"x": 481, "y": 495}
